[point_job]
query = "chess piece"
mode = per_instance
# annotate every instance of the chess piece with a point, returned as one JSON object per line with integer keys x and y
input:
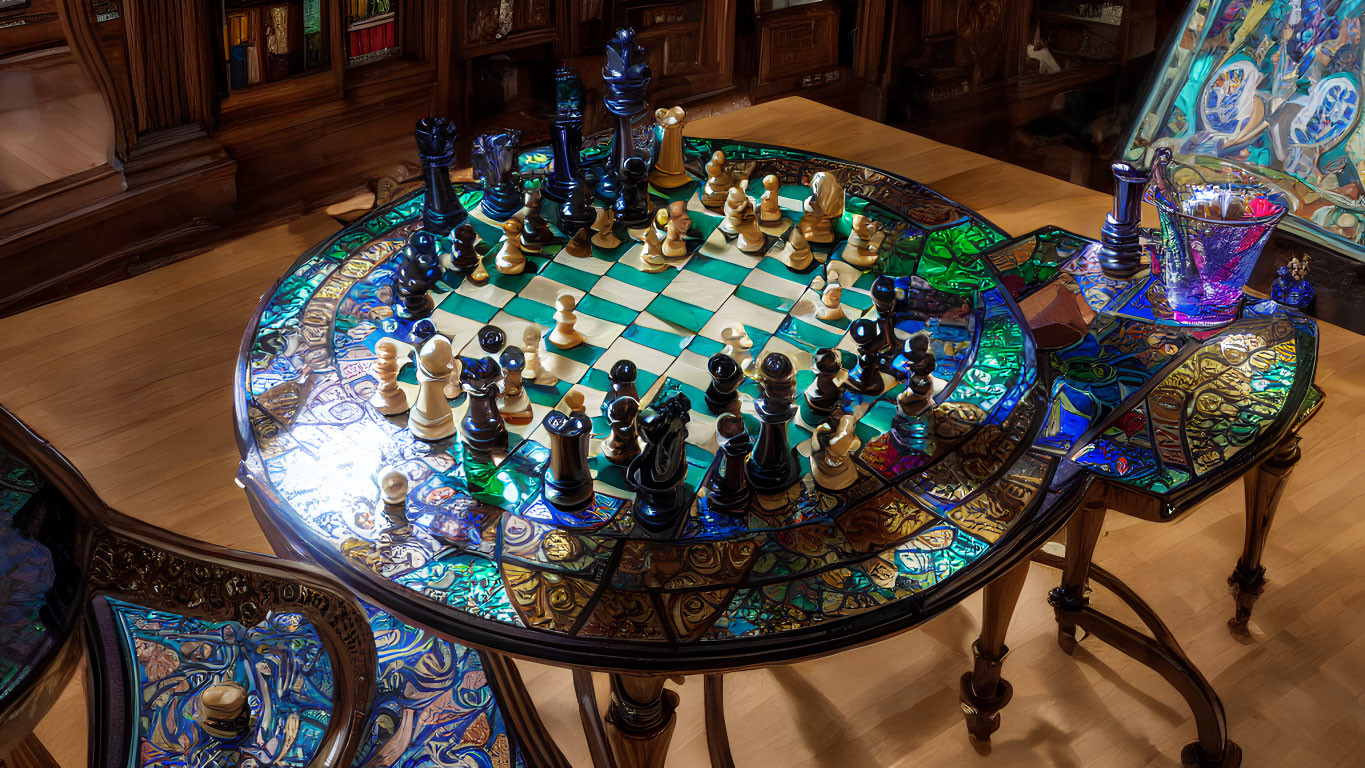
{"x": 737, "y": 345}
{"x": 482, "y": 429}
{"x": 674, "y": 246}
{"x": 632, "y": 200}
{"x": 388, "y": 398}
{"x": 452, "y": 386}
{"x": 224, "y": 711}
{"x": 869, "y": 376}
{"x": 530, "y": 350}
{"x": 831, "y": 307}
{"x": 495, "y": 163}
{"x": 830, "y": 465}
{"x": 865, "y": 256}
{"x": 661, "y": 222}
{"x": 653, "y": 253}
{"x": 417, "y": 275}
{"x": 769, "y": 207}
{"x": 577, "y": 212}
{"x": 678, "y": 219}
{"x": 884, "y": 299}
{"x": 480, "y": 275}
{"x": 625, "y": 78}
{"x": 566, "y": 134}
{"x": 622, "y": 444}
{"x": 920, "y": 362}
{"x": 861, "y": 231}
{"x": 563, "y": 335}
{"x": 622, "y": 377}
{"x": 718, "y": 183}
{"x": 535, "y": 232}
{"x": 773, "y": 467}
{"x": 825, "y": 203}
{"x": 393, "y": 486}
{"x": 824, "y": 393}
{"x": 510, "y": 260}
{"x": 751, "y": 237}
{"x": 441, "y": 209}
{"x": 604, "y": 229}
{"x": 466, "y": 259}
{"x": 722, "y": 395}
{"x": 491, "y": 339}
{"x": 566, "y": 479}
{"x": 738, "y": 206}
{"x": 580, "y": 245}
{"x": 1120, "y": 254}
{"x": 660, "y": 471}
{"x": 573, "y": 401}
{"x": 668, "y": 172}
{"x": 797, "y": 254}
{"x": 513, "y": 403}
{"x": 727, "y": 484}
{"x": 431, "y": 418}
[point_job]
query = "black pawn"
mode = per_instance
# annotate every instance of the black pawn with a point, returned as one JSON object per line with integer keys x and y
{"x": 417, "y": 276}
{"x": 726, "y": 376}
{"x": 623, "y": 445}
{"x": 659, "y": 473}
{"x": 824, "y": 393}
{"x": 577, "y": 212}
{"x": 884, "y": 299}
{"x": 622, "y": 376}
{"x": 567, "y": 481}
{"x": 492, "y": 339}
{"x": 866, "y": 377}
{"x": 727, "y": 484}
{"x": 632, "y": 204}
{"x": 535, "y": 227}
{"x": 773, "y": 467}
{"x": 482, "y": 429}
{"x": 465, "y": 260}
{"x": 441, "y": 209}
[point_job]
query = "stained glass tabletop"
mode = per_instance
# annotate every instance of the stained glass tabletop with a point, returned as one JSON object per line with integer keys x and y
{"x": 1015, "y": 436}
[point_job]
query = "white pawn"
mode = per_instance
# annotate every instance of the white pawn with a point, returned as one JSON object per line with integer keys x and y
{"x": 510, "y": 260}
{"x": 674, "y": 245}
{"x": 653, "y": 254}
{"x": 718, "y": 182}
{"x": 604, "y": 235}
{"x": 737, "y": 206}
{"x": 573, "y": 401}
{"x": 861, "y": 231}
{"x": 831, "y": 305}
{"x": 738, "y": 345}
{"x": 563, "y": 335}
{"x": 533, "y": 371}
{"x": 452, "y": 388}
{"x": 796, "y": 254}
{"x": 751, "y": 238}
{"x": 769, "y": 211}
{"x": 393, "y": 486}
{"x": 830, "y": 466}
{"x": 865, "y": 256}
{"x": 579, "y": 245}
{"x": 388, "y": 398}
{"x": 431, "y": 418}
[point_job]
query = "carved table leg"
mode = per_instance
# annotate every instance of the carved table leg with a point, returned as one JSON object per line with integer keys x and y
{"x": 1082, "y": 534}
{"x": 717, "y": 736}
{"x": 640, "y": 720}
{"x": 983, "y": 692}
{"x": 1264, "y": 486}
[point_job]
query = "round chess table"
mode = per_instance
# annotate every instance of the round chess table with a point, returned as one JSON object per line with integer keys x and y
{"x": 1131, "y": 412}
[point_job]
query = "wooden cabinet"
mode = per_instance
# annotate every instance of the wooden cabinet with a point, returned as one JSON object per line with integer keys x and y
{"x": 27, "y": 25}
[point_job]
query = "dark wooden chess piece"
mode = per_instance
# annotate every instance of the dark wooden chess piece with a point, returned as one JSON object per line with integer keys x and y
{"x": 482, "y": 429}
{"x": 722, "y": 395}
{"x": 824, "y": 393}
{"x": 625, "y": 78}
{"x": 632, "y": 200}
{"x": 495, "y": 162}
{"x": 465, "y": 259}
{"x": 566, "y": 479}
{"x": 577, "y": 212}
{"x": 884, "y": 299}
{"x": 492, "y": 339}
{"x": 622, "y": 376}
{"x": 866, "y": 377}
{"x": 920, "y": 361}
{"x": 1120, "y": 253}
{"x": 660, "y": 471}
{"x": 727, "y": 484}
{"x": 566, "y": 134}
{"x": 773, "y": 467}
{"x": 441, "y": 209}
{"x": 536, "y": 228}
{"x": 417, "y": 276}
{"x": 623, "y": 444}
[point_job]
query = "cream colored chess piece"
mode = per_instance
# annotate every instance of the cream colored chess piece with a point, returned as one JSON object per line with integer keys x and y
{"x": 751, "y": 239}
{"x": 604, "y": 234}
{"x": 830, "y": 466}
{"x": 738, "y": 345}
{"x": 510, "y": 260}
{"x": 564, "y": 335}
{"x": 718, "y": 182}
{"x": 388, "y": 398}
{"x": 573, "y": 401}
{"x": 452, "y": 388}
{"x": 831, "y": 307}
{"x": 797, "y": 254}
{"x": 865, "y": 256}
{"x": 674, "y": 245}
{"x": 737, "y": 207}
{"x": 678, "y": 219}
{"x": 393, "y": 486}
{"x": 580, "y": 245}
{"x": 825, "y": 203}
{"x": 653, "y": 253}
{"x": 431, "y": 418}
{"x": 769, "y": 209}
{"x": 480, "y": 275}
{"x": 861, "y": 231}
{"x": 668, "y": 170}
{"x": 533, "y": 371}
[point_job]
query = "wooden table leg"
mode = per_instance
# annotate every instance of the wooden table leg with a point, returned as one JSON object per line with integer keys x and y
{"x": 1082, "y": 534}
{"x": 717, "y": 735}
{"x": 1264, "y": 486}
{"x": 983, "y": 692}
{"x": 640, "y": 720}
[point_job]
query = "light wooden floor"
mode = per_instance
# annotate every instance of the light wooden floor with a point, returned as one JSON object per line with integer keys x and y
{"x": 133, "y": 382}
{"x": 53, "y": 122}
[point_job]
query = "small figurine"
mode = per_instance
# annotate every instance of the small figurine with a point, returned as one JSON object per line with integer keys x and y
{"x": 495, "y": 159}
{"x": 668, "y": 171}
{"x": 718, "y": 182}
{"x": 1291, "y": 287}
{"x": 769, "y": 211}
{"x": 604, "y": 235}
